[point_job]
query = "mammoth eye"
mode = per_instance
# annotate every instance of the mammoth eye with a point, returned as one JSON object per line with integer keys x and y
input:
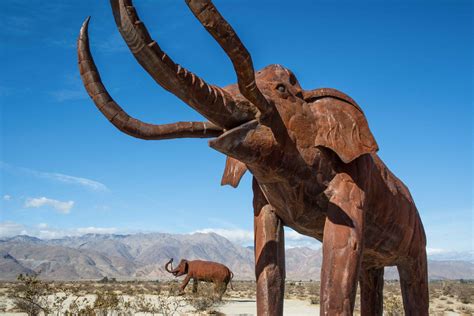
{"x": 281, "y": 88}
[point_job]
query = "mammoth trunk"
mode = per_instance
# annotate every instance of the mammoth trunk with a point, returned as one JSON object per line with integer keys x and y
{"x": 167, "y": 266}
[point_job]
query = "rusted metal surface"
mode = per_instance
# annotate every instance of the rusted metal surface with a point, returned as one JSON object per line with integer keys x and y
{"x": 313, "y": 160}
{"x": 117, "y": 116}
{"x": 205, "y": 271}
{"x": 233, "y": 172}
{"x": 224, "y": 34}
{"x": 269, "y": 247}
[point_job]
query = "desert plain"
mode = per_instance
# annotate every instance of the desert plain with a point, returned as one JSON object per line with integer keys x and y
{"x": 32, "y": 296}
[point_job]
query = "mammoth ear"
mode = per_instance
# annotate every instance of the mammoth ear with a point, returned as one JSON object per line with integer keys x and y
{"x": 342, "y": 127}
{"x": 233, "y": 172}
{"x": 186, "y": 266}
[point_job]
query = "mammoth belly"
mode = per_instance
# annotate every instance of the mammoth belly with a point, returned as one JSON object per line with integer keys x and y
{"x": 299, "y": 207}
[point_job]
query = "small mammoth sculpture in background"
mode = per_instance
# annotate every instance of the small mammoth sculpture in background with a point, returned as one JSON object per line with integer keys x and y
{"x": 199, "y": 270}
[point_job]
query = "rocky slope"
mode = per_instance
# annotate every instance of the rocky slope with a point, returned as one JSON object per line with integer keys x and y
{"x": 142, "y": 256}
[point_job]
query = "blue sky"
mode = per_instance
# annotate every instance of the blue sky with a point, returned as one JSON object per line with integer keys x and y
{"x": 66, "y": 170}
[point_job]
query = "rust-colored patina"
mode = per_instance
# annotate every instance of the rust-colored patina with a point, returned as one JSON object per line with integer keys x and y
{"x": 313, "y": 160}
{"x": 205, "y": 271}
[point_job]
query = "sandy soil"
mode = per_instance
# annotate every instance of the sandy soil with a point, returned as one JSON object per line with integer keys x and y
{"x": 244, "y": 306}
{"x": 145, "y": 297}
{"x": 236, "y": 307}
{"x": 240, "y": 307}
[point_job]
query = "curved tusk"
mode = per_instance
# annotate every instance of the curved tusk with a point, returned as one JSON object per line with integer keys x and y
{"x": 118, "y": 117}
{"x": 212, "y": 102}
{"x": 224, "y": 34}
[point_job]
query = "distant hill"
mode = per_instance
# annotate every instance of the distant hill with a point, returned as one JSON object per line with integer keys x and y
{"x": 142, "y": 256}
{"x": 10, "y": 266}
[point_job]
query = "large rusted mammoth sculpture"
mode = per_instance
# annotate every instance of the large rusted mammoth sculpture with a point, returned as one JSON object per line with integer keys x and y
{"x": 199, "y": 270}
{"x": 313, "y": 160}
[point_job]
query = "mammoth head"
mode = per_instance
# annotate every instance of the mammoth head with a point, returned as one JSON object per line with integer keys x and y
{"x": 298, "y": 120}
{"x": 262, "y": 109}
{"x": 181, "y": 269}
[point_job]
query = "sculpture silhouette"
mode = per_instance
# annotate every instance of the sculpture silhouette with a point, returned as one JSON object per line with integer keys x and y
{"x": 199, "y": 270}
{"x": 313, "y": 160}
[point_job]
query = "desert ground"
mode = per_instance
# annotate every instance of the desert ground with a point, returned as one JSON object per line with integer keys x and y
{"x": 110, "y": 297}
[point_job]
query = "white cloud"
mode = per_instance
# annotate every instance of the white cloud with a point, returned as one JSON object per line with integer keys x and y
{"x": 11, "y": 229}
{"x": 435, "y": 251}
{"x": 238, "y": 236}
{"x": 245, "y": 237}
{"x": 61, "y": 207}
{"x": 293, "y": 235}
{"x": 7, "y": 197}
{"x": 76, "y": 180}
{"x": 64, "y": 178}
{"x": 294, "y": 239}
{"x": 96, "y": 230}
{"x": 44, "y": 231}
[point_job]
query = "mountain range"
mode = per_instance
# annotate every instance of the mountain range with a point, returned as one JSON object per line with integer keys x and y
{"x": 142, "y": 256}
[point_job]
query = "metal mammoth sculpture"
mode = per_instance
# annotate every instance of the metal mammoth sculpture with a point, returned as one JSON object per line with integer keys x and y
{"x": 199, "y": 270}
{"x": 313, "y": 161}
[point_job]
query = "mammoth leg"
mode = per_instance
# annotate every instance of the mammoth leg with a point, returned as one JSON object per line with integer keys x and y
{"x": 342, "y": 246}
{"x": 195, "y": 285}
{"x": 414, "y": 284}
{"x": 184, "y": 284}
{"x": 224, "y": 286}
{"x": 371, "y": 291}
{"x": 219, "y": 289}
{"x": 269, "y": 256}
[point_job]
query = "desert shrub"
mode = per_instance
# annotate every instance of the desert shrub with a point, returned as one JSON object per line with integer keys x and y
{"x": 56, "y": 306}
{"x": 447, "y": 288}
{"x": 29, "y": 295}
{"x": 140, "y": 303}
{"x": 152, "y": 288}
{"x": 107, "y": 301}
{"x": 205, "y": 300}
{"x": 433, "y": 296}
{"x": 464, "y": 281}
{"x": 466, "y": 310}
{"x": 104, "y": 280}
{"x": 161, "y": 305}
{"x": 170, "y": 306}
{"x": 393, "y": 305}
{"x": 174, "y": 289}
{"x": 465, "y": 297}
{"x": 107, "y": 280}
{"x": 80, "y": 306}
{"x": 202, "y": 303}
{"x": 3, "y": 307}
{"x": 464, "y": 291}
{"x": 314, "y": 292}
